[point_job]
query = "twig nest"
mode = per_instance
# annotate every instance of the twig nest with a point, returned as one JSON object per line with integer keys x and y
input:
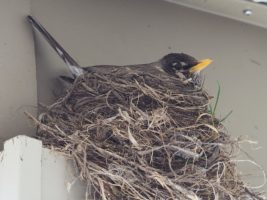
{"x": 138, "y": 135}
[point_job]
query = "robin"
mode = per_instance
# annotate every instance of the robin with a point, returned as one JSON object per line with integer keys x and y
{"x": 179, "y": 65}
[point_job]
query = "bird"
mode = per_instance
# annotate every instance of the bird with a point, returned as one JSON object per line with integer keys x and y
{"x": 179, "y": 65}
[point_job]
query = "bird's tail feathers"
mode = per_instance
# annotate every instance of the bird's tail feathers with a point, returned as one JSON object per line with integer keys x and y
{"x": 74, "y": 67}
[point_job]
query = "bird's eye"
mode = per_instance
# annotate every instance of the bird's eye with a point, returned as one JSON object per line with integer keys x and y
{"x": 183, "y": 64}
{"x": 174, "y": 64}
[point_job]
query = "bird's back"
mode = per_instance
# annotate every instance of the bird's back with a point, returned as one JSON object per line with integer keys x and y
{"x": 153, "y": 68}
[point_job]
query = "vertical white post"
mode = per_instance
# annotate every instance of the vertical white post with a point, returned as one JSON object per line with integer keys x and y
{"x": 20, "y": 169}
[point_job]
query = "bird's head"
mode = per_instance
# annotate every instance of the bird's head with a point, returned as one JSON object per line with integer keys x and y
{"x": 183, "y": 63}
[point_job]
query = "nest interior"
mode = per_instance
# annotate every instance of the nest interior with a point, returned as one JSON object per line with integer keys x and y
{"x": 138, "y": 135}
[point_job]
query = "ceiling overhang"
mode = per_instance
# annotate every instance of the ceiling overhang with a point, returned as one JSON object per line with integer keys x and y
{"x": 247, "y": 11}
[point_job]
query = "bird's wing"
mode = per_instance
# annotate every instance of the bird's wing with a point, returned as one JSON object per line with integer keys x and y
{"x": 73, "y": 66}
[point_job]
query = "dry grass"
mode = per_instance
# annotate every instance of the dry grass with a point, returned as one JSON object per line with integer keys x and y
{"x": 135, "y": 135}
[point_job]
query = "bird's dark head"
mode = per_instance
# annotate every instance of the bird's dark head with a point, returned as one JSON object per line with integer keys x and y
{"x": 183, "y": 63}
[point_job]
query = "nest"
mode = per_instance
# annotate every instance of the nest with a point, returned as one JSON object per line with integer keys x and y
{"x": 137, "y": 135}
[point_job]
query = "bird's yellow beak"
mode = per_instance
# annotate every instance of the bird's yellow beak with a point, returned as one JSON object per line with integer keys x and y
{"x": 200, "y": 66}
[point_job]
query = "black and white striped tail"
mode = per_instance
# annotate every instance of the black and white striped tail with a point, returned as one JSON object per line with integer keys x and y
{"x": 74, "y": 67}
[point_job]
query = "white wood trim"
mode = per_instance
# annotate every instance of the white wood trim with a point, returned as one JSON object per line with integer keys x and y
{"x": 20, "y": 169}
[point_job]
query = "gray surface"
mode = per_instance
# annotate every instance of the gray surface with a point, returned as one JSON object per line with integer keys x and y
{"x": 128, "y": 32}
{"x": 59, "y": 179}
{"x": 17, "y": 70}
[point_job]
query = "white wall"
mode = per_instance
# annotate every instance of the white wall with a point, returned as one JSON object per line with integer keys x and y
{"x": 17, "y": 69}
{"x": 59, "y": 178}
